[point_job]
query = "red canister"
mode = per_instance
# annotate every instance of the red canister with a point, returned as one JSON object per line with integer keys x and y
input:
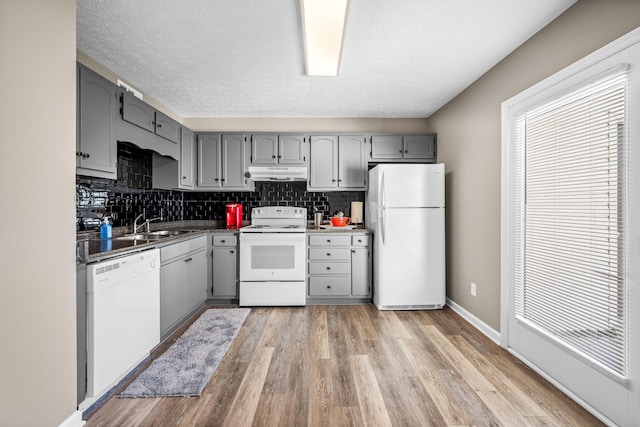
{"x": 234, "y": 215}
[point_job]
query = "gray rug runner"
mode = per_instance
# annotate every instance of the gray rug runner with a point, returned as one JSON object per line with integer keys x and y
{"x": 185, "y": 368}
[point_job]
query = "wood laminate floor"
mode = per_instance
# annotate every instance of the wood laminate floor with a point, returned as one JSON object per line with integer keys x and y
{"x": 355, "y": 365}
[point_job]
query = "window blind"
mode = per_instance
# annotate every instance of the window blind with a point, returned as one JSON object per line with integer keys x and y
{"x": 570, "y": 220}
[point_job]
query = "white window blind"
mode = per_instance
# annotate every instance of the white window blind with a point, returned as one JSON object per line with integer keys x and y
{"x": 570, "y": 220}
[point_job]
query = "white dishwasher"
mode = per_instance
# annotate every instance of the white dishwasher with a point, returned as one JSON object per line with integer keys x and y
{"x": 123, "y": 317}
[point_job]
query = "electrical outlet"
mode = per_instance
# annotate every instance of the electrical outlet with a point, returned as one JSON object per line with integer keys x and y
{"x": 474, "y": 288}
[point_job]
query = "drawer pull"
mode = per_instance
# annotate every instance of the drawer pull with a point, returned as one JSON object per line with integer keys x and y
{"x": 188, "y": 260}
{"x": 328, "y": 268}
{"x": 328, "y": 286}
{"x": 328, "y": 240}
{"x": 222, "y": 241}
{"x": 328, "y": 254}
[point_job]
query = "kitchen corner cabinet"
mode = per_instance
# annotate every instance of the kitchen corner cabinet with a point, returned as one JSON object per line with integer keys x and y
{"x": 183, "y": 282}
{"x": 222, "y": 162}
{"x": 139, "y": 113}
{"x": 170, "y": 174}
{"x": 339, "y": 268}
{"x": 224, "y": 266}
{"x": 403, "y": 148}
{"x": 285, "y": 149}
{"x": 337, "y": 163}
{"x": 97, "y": 110}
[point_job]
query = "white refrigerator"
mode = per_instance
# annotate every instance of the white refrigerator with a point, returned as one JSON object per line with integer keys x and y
{"x": 405, "y": 210}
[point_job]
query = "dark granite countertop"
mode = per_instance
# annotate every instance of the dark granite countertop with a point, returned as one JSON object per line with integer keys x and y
{"x": 91, "y": 248}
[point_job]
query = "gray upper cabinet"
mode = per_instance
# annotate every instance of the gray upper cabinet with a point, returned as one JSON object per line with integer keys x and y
{"x": 138, "y": 112}
{"x": 97, "y": 110}
{"x": 323, "y": 166}
{"x": 421, "y": 147}
{"x": 292, "y": 149}
{"x": 209, "y": 161}
{"x": 233, "y": 161}
{"x": 222, "y": 162}
{"x": 169, "y": 173}
{"x": 264, "y": 149}
{"x": 167, "y": 128}
{"x": 403, "y": 148}
{"x": 352, "y": 162}
{"x": 337, "y": 163}
{"x": 187, "y": 159}
{"x": 386, "y": 147}
{"x": 143, "y": 115}
{"x": 270, "y": 149}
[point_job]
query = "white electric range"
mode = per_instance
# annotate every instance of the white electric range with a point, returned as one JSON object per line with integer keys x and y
{"x": 273, "y": 257}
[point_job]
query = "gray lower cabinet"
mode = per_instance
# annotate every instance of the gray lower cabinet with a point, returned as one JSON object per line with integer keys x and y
{"x": 339, "y": 267}
{"x": 183, "y": 282}
{"x": 97, "y": 111}
{"x": 403, "y": 148}
{"x": 337, "y": 163}
{"x": 222, "y": 162}
{"x": 224, "y": 266}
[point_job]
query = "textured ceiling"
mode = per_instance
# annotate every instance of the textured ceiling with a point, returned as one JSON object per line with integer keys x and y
{"x": 244, "y": 58}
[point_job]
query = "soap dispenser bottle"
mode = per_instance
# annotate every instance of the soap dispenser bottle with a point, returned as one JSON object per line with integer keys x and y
{"x": 105, "y": 228}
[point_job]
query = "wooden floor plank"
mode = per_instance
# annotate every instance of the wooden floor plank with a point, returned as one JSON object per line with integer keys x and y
{"x": 372, "y": 405}
{"x": 356, "y": 366}
{"x": 243, "y": 408}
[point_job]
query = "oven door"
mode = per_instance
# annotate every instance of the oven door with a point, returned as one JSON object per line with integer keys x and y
{"x": 272, "y": 257}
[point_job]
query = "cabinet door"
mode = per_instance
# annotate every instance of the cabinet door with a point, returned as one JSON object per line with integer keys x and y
{"x": 233, "y": 158}
{"x": 224, "y": 272}
{"x": 352, "y": 161}
{"x": 138, "y": 112}
{"x": 264, "y": 149}
{"x": 167, "y": 128}
{"x": 420, "y": 147}
{"x": 187, "y": 159}
{"x": 386, "y": 147}
{"x": 196, "y": 279}
{"x": 361, "y": 272}
{"x": 209, "y": 169}
{"x": 292, "y": 149}
{"x": 324, "y": 160}
{"x": 173, "y": 298}
{"x": 97, "y": 109}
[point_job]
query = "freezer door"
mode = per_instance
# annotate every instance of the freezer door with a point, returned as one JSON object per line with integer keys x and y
{"x": 409, "y": 259}
{"x": 410, "y": 185}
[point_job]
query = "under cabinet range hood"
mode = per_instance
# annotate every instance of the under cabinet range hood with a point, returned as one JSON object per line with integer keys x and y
{"x": 277, "y": 173}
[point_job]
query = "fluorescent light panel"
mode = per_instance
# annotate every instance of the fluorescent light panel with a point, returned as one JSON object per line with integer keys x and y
{"x": 323, "y": 24}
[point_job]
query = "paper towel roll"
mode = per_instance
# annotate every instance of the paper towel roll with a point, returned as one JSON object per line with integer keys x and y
{"x": 356, "y": 213}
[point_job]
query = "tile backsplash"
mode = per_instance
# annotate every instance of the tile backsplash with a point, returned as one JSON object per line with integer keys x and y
{"x": 132, "y": 194}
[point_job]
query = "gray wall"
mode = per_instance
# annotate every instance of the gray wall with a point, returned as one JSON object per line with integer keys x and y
{"x": 37, "y": 175}
{"x": 469, "y": 143}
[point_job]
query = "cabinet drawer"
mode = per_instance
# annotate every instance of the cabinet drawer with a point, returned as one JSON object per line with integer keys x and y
{"x": 325, "y": 254}
{"x": 225, "y": 240}
{"x": 329, "y": 240}
{"x": 329, "y": 268}
{"x": 360, "y": 240}
{"x": 182, "y": 248}
{"x": 324, "y": 286}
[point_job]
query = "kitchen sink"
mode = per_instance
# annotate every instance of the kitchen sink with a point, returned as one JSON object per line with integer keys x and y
{"x": 138, "y": 237}
{"x": 164, "y": 233}
{"x": 152, "y": 235}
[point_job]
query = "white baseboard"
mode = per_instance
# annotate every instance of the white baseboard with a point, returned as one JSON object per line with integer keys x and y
{"x": 491, "y": 333}
{"x": 74, "y": 420}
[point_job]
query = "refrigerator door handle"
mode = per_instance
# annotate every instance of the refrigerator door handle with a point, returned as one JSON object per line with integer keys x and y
{"x": 383, "y": 222}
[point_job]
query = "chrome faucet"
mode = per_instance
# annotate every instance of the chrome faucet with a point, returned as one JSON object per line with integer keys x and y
{"x": 149, "y": 220}
{"x": 135, "y": 223}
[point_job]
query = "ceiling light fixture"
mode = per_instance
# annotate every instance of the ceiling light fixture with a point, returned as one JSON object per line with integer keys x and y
{"x": 323, "y": 23}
